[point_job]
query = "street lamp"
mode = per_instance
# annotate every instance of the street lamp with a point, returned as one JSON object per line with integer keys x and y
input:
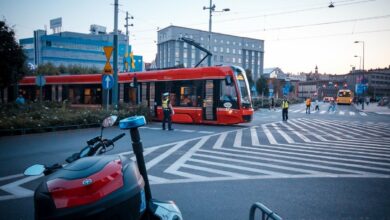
{"x": 363, "y": 80}
{"x": 211, "y": 9}
{"x": 360, "y": 61}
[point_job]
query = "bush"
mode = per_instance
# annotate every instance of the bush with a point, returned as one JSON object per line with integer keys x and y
{"x": 35, "y": 117}
{"x": 258, "y": 102}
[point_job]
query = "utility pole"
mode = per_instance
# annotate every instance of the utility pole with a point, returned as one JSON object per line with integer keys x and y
{"x": 127, "y": 52}
{"x": 211, "y": 9}
{"x": 115, "y": 86}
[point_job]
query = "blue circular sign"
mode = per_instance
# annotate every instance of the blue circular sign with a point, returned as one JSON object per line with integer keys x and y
{"x": 40, "y": 80}
{"x": 107, "y": 81}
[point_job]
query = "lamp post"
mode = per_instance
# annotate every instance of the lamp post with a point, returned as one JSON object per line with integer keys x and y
{"x": 360, "y": 61}
{"x": 211, "y": 9}
{"x": 363, "y": 80}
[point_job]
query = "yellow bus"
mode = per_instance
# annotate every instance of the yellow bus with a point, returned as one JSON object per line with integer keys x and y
{"x": 344, "y": 96}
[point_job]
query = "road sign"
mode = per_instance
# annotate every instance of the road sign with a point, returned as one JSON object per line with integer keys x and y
{"x": 108, "y": 51}
{"x": 40, "y": 80}
{"x": 107, "y": 68}
{"x": 107, "y": 81}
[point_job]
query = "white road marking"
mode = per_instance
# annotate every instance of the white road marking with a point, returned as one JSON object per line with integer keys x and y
{"x": 304, "y": 138}
{"x": 362, "y": 114}
{"x": 284, "y": 135}
{"x": 220, "y": 140}
{"x": 352, "y": 113}
{"x": 269, "y": 135}
{"x": 341, "y": 112}
{"x": 254, "y": 137}
{"x": 323, "y": 112}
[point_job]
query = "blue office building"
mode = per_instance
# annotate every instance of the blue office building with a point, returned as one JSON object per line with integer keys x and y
{"x": 70, "y": 48}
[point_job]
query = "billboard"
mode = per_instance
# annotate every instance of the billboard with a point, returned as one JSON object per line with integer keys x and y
{"x": 55, "y": 23}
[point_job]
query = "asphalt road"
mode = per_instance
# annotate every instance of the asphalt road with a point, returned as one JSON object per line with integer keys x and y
{"x": 326, "y": 165}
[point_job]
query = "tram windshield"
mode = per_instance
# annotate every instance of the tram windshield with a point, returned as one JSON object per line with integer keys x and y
{"x": 243, "y": 87}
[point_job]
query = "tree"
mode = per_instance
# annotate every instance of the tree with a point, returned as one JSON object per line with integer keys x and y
{"x": 13, "y": 64}
{"x": 250, "y": 78}
{"x": 261, "y": 85}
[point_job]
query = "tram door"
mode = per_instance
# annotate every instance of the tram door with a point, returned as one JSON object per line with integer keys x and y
{"x": 209, "y": 108}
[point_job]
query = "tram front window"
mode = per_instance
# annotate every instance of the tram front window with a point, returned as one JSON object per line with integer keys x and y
{"x": 243, "y": 87}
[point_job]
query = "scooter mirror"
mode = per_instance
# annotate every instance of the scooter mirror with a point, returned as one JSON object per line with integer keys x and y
{"x": 109, "y": 121}
{"x": 35, "y": 170}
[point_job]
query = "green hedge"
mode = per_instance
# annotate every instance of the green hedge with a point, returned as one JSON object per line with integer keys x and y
{"x": 265, "y": 103}
{"x": 35, "y": 117}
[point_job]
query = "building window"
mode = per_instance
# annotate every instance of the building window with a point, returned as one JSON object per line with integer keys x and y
{"x": 227, "y": 50}
{"x": 221, "y": 41}
{"x": 233, "y": 59}
{"x": 227, "y": 42}
{"x": 215, "y": 58}
{"x": 215, "y": 49}
{"x": 239, "y": 44}
{"x": 221, "y": 49}
{"x": 234, "y": 51}
{"x": 234, "y": 43}
{"x": 201, "y": 38}
{"x": 221, "y": 58}
{"x": 239, "y": 60}
{"x": 239, "y": 51}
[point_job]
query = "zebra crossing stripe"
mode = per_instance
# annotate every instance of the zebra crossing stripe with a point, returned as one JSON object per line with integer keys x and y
{"x": 269, "y": 135}
{"x": 167, "y": 153}
{"x": 211, "y": 170}
{"x": 341, "y": 112}
{"x": 349, "y": 127}
{"x": 284, "y": 135}
{"x": 238, "y": 138}
{"x": 174, "y": 168}
{"x": 330, "y": 127}
{"x": 295, "y": 123}
{"x": 318, "y": 127}
{"x": 305, "y": 139}
{"x": 220, "y": 140}
{"x": 223, "y": 156}
{"x": 362, "y": 114}
{"x": 322, "y": 112}
{"x": 254, "y": 137}
{"x": 352, "y": 113}
{"x": 255, "y": 155}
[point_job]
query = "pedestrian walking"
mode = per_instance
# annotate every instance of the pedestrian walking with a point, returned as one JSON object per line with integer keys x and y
{"x": 272, "y": 104}
{"x": 285, "y": 108}
{"x": 317, "y": 108}
{"x": 167, "y": 111}
{"x": 332, "y": 106}
{"x": 308, "y": 105}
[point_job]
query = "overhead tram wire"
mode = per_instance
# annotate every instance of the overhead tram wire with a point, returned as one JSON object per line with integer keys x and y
{"x": 331, "y": 35}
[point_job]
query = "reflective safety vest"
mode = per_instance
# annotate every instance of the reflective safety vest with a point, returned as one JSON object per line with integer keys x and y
{"x": 284, "y": 104}
{"x": 308, "y": 102}
{"x": 165, "y": 104}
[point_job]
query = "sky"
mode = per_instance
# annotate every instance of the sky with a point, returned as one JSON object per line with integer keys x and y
{"x": 298, "y": 35}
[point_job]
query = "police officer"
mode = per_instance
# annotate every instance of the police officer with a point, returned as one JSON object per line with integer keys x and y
{"x": 167, "y": 111}
{"x": 285, "y": 108}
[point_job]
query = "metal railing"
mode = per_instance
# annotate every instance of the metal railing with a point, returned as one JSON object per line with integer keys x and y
{"x": 266, "y": 213}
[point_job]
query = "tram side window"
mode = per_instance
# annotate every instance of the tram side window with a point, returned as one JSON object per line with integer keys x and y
{"x": 228, "y": 95}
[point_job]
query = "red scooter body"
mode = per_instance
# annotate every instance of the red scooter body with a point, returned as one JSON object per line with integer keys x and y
{"x": 99, "y": 187}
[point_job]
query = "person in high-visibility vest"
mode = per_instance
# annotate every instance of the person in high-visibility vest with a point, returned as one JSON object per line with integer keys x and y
{"x": 285, "y": 108}
{"x": 167, "y": 111}
{"x": 308, "y": 105}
